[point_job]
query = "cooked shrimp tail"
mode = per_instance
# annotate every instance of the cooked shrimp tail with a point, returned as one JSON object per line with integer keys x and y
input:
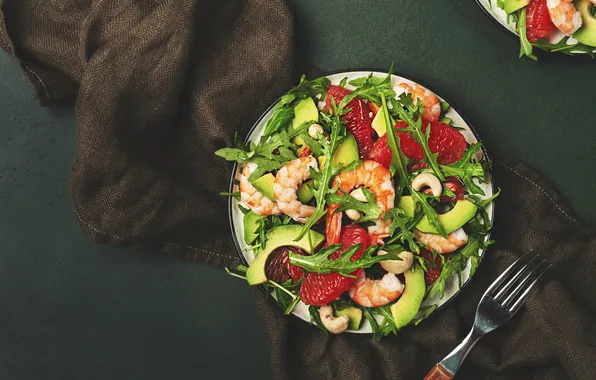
{"x": 253, "y": 198}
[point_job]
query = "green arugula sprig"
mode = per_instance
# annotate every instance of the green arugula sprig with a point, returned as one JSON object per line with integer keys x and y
{"x": 433, "y": 217}
{"x": 320, "y": 262}
{"x": 324, "y": 176}
{"x": 467, "y": 169}
{"x": 370, "y": 88}
{"x": 284, "y": 109}
{"x": 271, "y": 153}
{"x": 525, "y": 45}
{"x": 370, "y": 209}
{"x": 398, "y": 159}
{"x": 405, "y": 110}
{"x": 401, "y": 223}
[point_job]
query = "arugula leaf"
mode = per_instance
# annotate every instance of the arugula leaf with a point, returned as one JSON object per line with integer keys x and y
{"x": 284, "y": 109}
{"x": 397, "y": 156}
{"x": 471, "y": 251}
{"x": 282, "y": 116}
{"x": 323, "y": 177}
{"x": 444, "y": 107}
{"x": 234, "y": 195}
{"x": 347, "y": 202}
{"x": 343, "y": 82}
{"x": 399, "y": 222}
{"x": 429, "y": 211}
{"x": 467, "y": 169}
{"x": 425, "y": 311}
{"x": 407, "y": 114}
{"x": 374, "y": 325}
{"x": 370, "y": 88}
{"x": 485, "y": 202}
{"x": 403, "y": 234}
{"x": 316, "y": 317}
{"x": 525, "y": 45}
{"x": 320, "y": 262}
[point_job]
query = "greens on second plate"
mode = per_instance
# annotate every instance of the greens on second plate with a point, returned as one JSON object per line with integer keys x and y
{"x": 564, "y": 26}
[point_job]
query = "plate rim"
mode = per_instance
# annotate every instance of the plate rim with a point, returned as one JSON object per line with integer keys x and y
{"x": 364, "y": 70}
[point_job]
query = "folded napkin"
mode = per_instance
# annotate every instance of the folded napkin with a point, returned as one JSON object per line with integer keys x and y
{"x": 159, "y": 86}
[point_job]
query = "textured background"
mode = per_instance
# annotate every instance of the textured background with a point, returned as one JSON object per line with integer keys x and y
{"x": 71, "y": 309}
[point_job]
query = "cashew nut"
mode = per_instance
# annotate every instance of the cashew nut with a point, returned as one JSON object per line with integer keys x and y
{"x": 335, "y": 325}
{"x": 426, "y": 179}
{"x": 353, "y": 214}
{"x": 359, "y": 195}
{"x": 397, "y": 266}
{"x": 314, "y": 130}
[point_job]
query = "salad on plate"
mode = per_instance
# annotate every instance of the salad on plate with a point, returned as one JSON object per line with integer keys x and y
{"x": 567, "y": 26}
{"x": 362, "y": 201}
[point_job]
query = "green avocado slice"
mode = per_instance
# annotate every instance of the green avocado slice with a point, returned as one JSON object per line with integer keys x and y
{"x": 354, "y": 315}
{"x": 511, "y": 6}
{"x": 305, "y": 110}
{"x": 407, "y": 306}
{"x": 265, "y": 185}
{"x": 251, "y": 223}
{"x": 279, "y": 237}
{"x": 460, "y": 214}
{"x": 587, "y": 33}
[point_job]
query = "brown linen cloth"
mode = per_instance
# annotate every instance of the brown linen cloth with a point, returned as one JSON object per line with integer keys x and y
{"x": 159, "y": 86}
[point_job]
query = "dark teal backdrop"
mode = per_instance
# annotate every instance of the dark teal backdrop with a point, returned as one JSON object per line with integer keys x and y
{"x": 71, "y": 309}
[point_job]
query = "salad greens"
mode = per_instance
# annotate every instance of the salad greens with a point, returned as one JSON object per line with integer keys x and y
{"x": 282, "y": 143}
{"x": 567, "y": 45}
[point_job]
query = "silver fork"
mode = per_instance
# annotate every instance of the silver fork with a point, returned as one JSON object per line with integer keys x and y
{"x": 498, "y": 304}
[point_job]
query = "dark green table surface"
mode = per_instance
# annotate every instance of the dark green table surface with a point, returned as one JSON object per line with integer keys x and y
{"x": 71, "y": 309}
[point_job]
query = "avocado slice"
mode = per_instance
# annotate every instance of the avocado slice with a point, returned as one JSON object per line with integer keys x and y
{"x": 407, "y": 306}
{"x": 265, "y": 185}
{"x": 511, "y": 6}
{"x": 458, "y": 216}
{"x": 305, "y": 110}
{"x": 587, "y": 33}
{"x": 354, "y": 315}
{"x": 304, "y": 193}
{"x": 279, "y": 237}
{"x": 251, "y": 223}
{"x": 378, "y": 123}
{"x": 346, "y": 152}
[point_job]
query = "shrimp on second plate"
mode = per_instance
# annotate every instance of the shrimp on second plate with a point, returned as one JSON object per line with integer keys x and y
{"x": 253, "y": 198}
{"x": 377, "y": 179}
{"x": 373, "y": 293}
{"x": 286, "y": 184}
{"x": 439, "y": 244}
{"x": 564, "y": 15}
{"x": 432, "y": 108}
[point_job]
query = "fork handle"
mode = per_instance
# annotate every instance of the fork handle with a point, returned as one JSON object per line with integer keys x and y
{"x": 439, "y": 372}
{"x": 449, "y": 366}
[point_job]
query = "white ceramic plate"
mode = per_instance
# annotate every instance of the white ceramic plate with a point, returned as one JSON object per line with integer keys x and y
{"x": 236, "y": 216}
{"x": 492, "y": 10}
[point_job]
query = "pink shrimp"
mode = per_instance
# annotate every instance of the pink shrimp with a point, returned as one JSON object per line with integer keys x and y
{"x": 564, "y": 15}
{"x": 373, "y": 293}
{"x": 286, "y": 183}
{"x": 377, "y": 179}
{"x": 432, "y": 108}
{"x": 439, "y": 244}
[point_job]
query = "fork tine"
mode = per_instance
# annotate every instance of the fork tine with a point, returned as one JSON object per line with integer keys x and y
{"x": 524, "y": 296}
{"x": 499, "y": 280}
{"x": 517, "y": 275}
{"x": 521, "y": 285}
